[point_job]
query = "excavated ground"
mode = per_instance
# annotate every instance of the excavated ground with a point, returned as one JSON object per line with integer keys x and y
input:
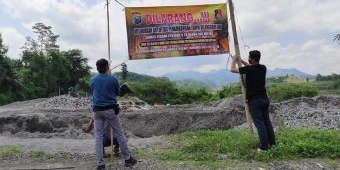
{"x": 54, "y": 126}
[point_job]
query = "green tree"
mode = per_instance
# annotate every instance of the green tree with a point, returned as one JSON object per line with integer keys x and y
{"x": 39, "y": 75}
{"x": 230, "y": 91}
{"x": 58, "y": 66}
{"x": 156, "y": 90}
{"x": 8, "y": 80}
{"x": 30, "y": 46}
{"x": 8, "y": 83}
{"x": 43, "y": 69}
{"x": 84, "y": 85}
{"x": 3, "y": 48}
{"x": 78, "y": 67}
{"x": 46, "y": 39}
{"x": 282, "y": 92}
{"x": 40, "y": 65}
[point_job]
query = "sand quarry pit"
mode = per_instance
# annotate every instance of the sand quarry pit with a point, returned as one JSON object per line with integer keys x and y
{"x": 53, "y": 126}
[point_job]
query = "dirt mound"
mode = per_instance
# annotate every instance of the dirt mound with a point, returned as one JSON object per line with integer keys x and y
{"x": 66, "y": 102}
{"x": 54, "y": 126}
{"x": 65, "y": 116}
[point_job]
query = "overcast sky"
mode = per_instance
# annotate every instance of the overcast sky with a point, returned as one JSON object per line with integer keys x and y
{"x": 290, "y": 34}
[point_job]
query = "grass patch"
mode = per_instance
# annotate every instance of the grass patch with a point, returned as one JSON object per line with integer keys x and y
{"x": 210, "y": 145}
{"x": 236, "y": 144}
{"x": 308, "y": 143}
{"x": 9, "y": 151}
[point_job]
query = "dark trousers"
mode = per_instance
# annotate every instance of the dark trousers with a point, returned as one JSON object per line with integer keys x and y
{"x": 259, "y": 110}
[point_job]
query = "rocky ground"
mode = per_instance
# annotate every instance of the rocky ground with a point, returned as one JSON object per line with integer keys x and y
{"x": 50, "y": 130}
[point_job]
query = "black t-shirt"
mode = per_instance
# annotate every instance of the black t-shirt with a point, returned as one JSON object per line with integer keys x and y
{"x": 255, "y": 80}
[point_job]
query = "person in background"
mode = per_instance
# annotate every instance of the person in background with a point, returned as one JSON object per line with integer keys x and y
{"x": 256, "y": 96}
{"x": 106, "y": 137}
{"x": 105, "y": 89}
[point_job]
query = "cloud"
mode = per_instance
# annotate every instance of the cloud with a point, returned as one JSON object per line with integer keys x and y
{"x": 313, "y": 57}
{"x": 282, "y": 16}
{"x": 289, "y": 35}
{"x": 14, "y": 40}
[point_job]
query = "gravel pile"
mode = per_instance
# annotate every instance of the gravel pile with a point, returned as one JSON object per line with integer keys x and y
{"x": 66, "y": 102}
{"x": 320, "y": 112}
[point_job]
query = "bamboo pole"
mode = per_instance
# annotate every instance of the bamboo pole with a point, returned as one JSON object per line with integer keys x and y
{"x": 109, "y": 57}
{"x": 237, "y": 52}
{"x": 111, "y": 132}
{"x": 108, "y": 29}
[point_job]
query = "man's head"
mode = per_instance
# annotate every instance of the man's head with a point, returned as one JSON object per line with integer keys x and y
{"x": 102, "y": 65}
{"x": 254, "y": 56}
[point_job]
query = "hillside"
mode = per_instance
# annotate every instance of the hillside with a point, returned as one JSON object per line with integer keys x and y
{"x": 219, "y": 78}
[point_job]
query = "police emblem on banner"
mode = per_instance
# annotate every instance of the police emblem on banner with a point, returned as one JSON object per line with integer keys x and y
{"x": 137, "y": 17}
{"x": 218, "y": 14}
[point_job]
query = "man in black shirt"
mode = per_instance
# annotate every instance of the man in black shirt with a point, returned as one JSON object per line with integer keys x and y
{"x": 257, "y": 99}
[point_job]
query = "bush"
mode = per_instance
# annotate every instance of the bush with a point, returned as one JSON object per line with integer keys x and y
{"x": 282, "y": 92}
{"x": 230, "y": 91}
{"x": 3, "y": 99}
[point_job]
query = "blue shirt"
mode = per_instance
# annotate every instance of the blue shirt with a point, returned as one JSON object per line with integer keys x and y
{"x": 104, "y": 89}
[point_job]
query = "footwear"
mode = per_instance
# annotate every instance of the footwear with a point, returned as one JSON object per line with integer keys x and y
{"x": 116, "y": 150}
{"x": 130, "y": 162}
{"x": 106, "y": 155}
{"x": 101, "y": 167}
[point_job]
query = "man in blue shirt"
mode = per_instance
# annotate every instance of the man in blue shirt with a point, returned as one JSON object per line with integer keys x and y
{"x": 105, "y": 89}
{"x": 256, "y": 96}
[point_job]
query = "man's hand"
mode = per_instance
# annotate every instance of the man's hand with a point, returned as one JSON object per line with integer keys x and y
{"x": 235, "y": 58}
{"x": 233, "y": 67}
{"x": 89, "y": 126}
{"x": 124, "y": 89}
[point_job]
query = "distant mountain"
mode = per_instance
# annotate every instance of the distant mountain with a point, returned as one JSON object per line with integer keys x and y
{"x": 284, "y": 72}
{"x": 220, "y": 78}
{"x": 215, "y": 79}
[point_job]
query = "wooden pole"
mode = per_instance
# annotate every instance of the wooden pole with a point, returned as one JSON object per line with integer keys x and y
{"x": 237, "y": 52}
{"x": 109, "y": 57}
{"x": 108, "y": 29}
{"x": 111, "y": 132}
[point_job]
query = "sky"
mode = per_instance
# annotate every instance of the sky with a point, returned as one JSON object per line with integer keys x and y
{"x": 289, "y": 34}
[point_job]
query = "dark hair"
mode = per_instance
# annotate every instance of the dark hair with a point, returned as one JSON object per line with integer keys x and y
{"x": 102, "y": 65}
{"x": 255, "y": 54}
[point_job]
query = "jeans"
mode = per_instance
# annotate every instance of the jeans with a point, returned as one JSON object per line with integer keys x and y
{"x": 109, "y": 116}
{"x": 259, "y": 110}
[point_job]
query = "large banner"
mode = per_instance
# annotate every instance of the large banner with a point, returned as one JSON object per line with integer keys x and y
{"x": 171, "y": 31}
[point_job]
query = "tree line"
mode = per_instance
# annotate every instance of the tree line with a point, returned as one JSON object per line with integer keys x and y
{"x": 43, "y": 70}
